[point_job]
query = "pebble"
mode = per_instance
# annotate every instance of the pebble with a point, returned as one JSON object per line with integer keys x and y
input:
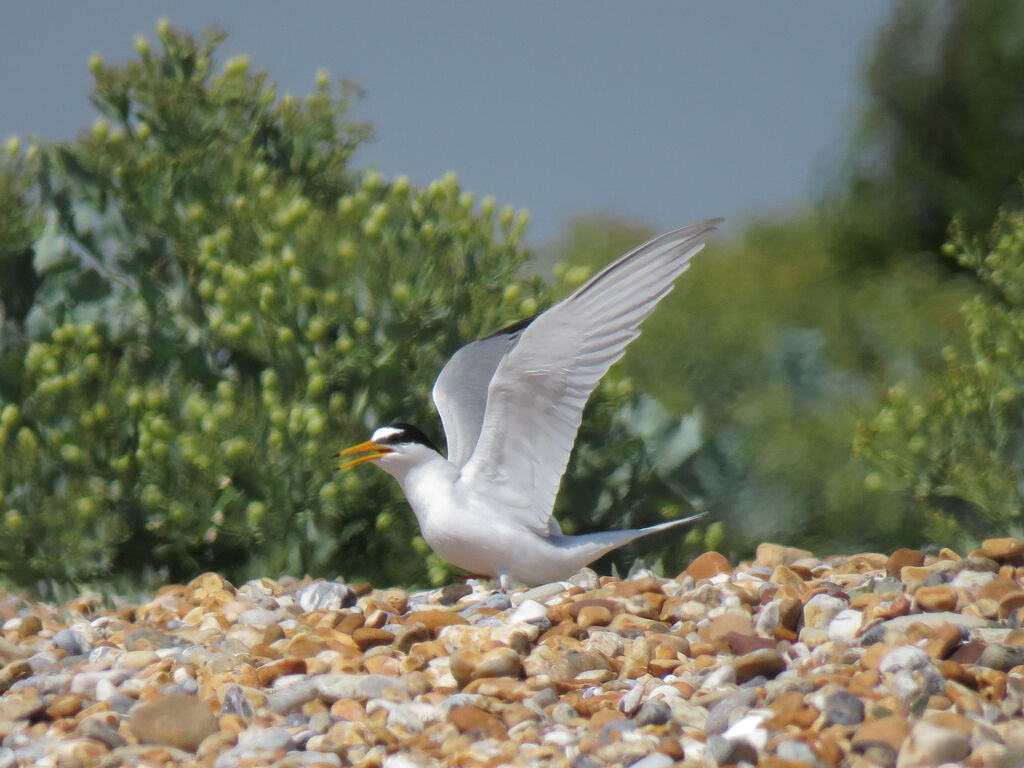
{"x": 706, "y": 565}
{"x": 720, "y": 715}
{"x": 908, "y": 659}
{"x": 325, "y": 595}
{"x": 176, "y": 721}
{"x": 843, "y": 708}
{"x": 72, "y": 642}
{"x": 930, "y": 744}
{"x": 821, "y": 609}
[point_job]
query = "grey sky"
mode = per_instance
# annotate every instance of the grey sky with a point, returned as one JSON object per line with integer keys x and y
{"x": 666, "y": 112}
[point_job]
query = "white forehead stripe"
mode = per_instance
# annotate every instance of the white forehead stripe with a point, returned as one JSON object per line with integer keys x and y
{"x": 383, "y": 433}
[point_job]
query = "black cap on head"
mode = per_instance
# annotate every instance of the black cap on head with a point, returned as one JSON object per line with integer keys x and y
{"x": 400, "y": 433}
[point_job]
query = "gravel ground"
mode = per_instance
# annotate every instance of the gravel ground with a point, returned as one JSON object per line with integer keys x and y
{"x": 789, "y": 660}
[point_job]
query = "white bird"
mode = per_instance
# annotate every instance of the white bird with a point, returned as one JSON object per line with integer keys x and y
{"x": 511, "y": 405}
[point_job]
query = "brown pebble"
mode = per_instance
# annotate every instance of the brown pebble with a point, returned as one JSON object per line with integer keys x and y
{"x": 64, "y": 705}
{"x": 11, "y": 673}
{"x": 786, "y": 578}
{"x": 409, "y": 635}
{"x": 272, "y": 633}
{"x": 574, "y": 609}
{"x": 740, "y": 643}
{"x": 771, "y": 555}
{"x": 396, "y": 600}
{"x": 723, "y": 624}
{"x": 21, "y": 705}
{"x": 1010, "y": 602}
{"x": 765, "y": 661}
{"x": 367, "y": 637}
{"x": 1004, "y": 550}
{"x": 968, "y": 653}
{"x": 594, "y": 616}
{"x": 503, "y": 688}
{"x": 349, "y": 710}
{"x": 461, "y": 664}
{"x": 434, "y": 619}
{"x": 705, "y": 566}
{"x": 304, "y": 645}
{"x": 177, "y": 720}
{"x": 888, "y": 731}
{"x": 268, "y": 673}
{"x": 499, "y": 662}
{"x": 516, "y": 713}
{"x": 29, "y": 626}
{"x": 946, "y": 638}
{"x": 471, "y": 719}
{"x": 903, "y": 557}
{"x": 941, "y": 597}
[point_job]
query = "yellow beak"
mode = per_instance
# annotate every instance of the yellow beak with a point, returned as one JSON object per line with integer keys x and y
{"x": 376, "y": 451}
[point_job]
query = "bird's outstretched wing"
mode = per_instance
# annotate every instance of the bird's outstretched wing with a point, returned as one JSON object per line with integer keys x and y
{"x": 542, "y": 381}
{"x": 460, "y": 392}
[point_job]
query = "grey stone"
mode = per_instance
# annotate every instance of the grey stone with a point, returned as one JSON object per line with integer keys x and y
{"x": 290, "y": 697}
{"x": 843, "y": 708}
{"x": 615, "y": 726}
{"x": 499, "y": 601}
{"x": 459, "y": 700}
{"x": 726, "y": 752}
{"x": 908, "y": 657}
{"x": 326, "y": 595}
{"x": 796, "y": 752}
{"x": 148, "y": 639}
{"x": 931, "y": 744}
{"x": 653, "y": 712}
{"x": 719, "y": 716}
{"x": 452, "y": 593}
{"x": 96, "y": 729}
{"x": 259, "y": 617}
{"x": 255, "y": 738}
{"x": 121, "y": 703}
{"x": 332, "y": 687}
{"x": 563, "y": 712}
{"x": 72, "y": 642}
{"x": 84, "y": 683}
{"x": 530, "y": 612}
{"x": 543, "y": 698}
{"x": 236, "y": 703}
{"x": 630, "y": 702}
{"x": 1001, "y": 657}
{"x": 653, "y": 760}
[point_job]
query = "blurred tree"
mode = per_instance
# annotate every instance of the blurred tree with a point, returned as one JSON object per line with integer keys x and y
{"x": 775, "y": 352}
{"x": 941, "y": 134}
{"x": 958, "y": 447}
{"x": 203, "y": 301}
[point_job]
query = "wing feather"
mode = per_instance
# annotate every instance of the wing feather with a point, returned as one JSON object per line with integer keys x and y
{"x": 542, "y": 381}
{"x": 460, "y": 392}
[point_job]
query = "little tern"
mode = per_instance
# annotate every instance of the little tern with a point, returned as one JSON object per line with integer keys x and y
{"x": 511, "y": 406}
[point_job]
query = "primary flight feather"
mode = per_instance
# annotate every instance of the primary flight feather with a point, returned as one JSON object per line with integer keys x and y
{"x": 511, "y": 406}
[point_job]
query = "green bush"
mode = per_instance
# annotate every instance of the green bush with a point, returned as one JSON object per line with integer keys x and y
{"x": 206, "y": 301}
{"x": 957, "y": 446}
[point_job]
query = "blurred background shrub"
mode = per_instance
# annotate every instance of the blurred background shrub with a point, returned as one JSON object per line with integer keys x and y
{"x": 958, "y": 446}
{"x": 203, "y": 301}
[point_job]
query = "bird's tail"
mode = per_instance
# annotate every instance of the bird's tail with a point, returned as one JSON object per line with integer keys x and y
{"x": 590, "y": 546}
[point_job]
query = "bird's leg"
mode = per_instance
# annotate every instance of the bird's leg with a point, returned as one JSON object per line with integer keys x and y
{"x": 506, "y": 583}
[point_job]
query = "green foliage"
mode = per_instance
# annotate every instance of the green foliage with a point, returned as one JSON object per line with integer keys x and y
{"x": 941, "y": 133}
{"x": 958, "y": 446}
{"x": 211, "y": 302}
{"x": 775, "y": 351}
